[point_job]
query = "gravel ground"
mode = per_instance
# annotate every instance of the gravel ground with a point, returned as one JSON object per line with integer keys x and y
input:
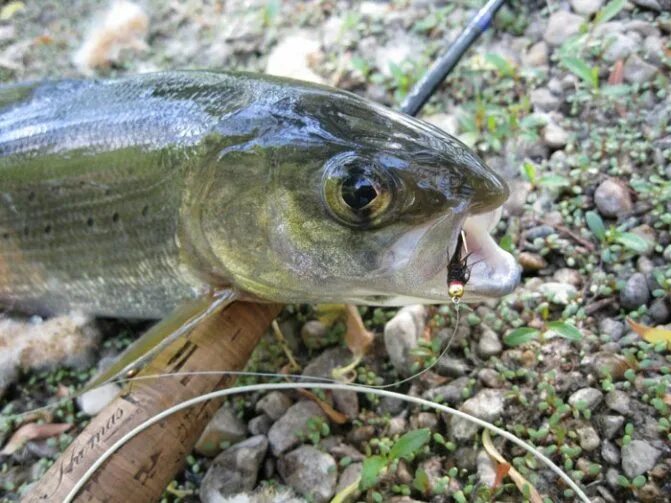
{"x": 571, "y": 102}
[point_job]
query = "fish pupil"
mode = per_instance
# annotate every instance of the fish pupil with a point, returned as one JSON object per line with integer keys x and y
{"x": 358, "y": 192}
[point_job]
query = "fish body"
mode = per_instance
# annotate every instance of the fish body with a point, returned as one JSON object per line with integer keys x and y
{"x": 127, "y": 197}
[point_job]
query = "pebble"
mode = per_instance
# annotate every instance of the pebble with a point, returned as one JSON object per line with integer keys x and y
{"x": 554, "y": 136}
{"x": 651, "y": 493}
{"x": 558, "y": 293}
{"x": 396, "y": 426}
{"x": 638, "y": 457}
{"x": 586, "y": 7}
{"x": 612, "y": 198}
{"x": 451, "y": 366}
{"x": 291, "y": 56}
{"x": 235, "y": 470}
{"x": 536, "y": 55}
{"x": 539, "y": 232}
{"x": 224, "y": 426}
{"x": 588, "y": 438}
{"x": 590, "y": 396}
{"x": 635, "y": 292}
{"x": 486, "y": 469}
{"x": 487, "y": 404}
{"x": 447, "y": 122}
{"x": 273, "y": 405}
{"x": 323, "y": 365}
{"x": 543, "y": 100}
{"x": 619, "y": 46}
{"x": 612, "y": 478}
{"x": 97, "y": 399}
{"x": 561, "y": 26}
{"x": 612, "y": 328}
{"x": 285, "y": 432}
{"x": 610, "y": 453}
{"x": 618, "y": 401}
{"x": 424, "y": 420}
{"x": 637, "y": 71}
{"x": 643, "y": 28}
{"x": 489, "y": 343}
{"x": 531, "y": 262}
{"x": 450, "y": 393}
{"x": 313, "y": 334}
{"x": 659, "y": 310}
{"x": 651, "y": 4}
{"x": 490, "y": 378}
{"x": 568, "y": 276}
{"x": 346, "y": 402}
{"x": 309, "y": 472}
{"x": 401, "y": 334}
{"x": 605, "y": 363}
{"x": 259, "y": 425}
{"x": 653, "y": 50}
{"x": 349, "y": 476}
{"x": 609, "y": 425}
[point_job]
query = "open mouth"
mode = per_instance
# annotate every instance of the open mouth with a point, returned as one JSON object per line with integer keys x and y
{"x": 493, "y": 272}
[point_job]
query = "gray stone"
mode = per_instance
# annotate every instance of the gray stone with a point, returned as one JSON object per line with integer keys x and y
{"x": 659, "y": 310}
{"x": 588, "y": 438}
{"x": 609, "y": 425}
{"x": 323, "y": 365}
{"x": 259, "y": 425}
{"x": 401, "y": 335}
{"x": 536, "y": 55}
{"x": 638, "y": 457}
{"x": 396, "y": 426}
{"x": 235, "y": 470}
{"x": 490, "y": 378}
{"x": 543, "y": 100}
{"x": 586, "y": 7}
{"x": 618, "y": 401}
{"x": 287, "y": 430}
{"x": 643, "y": 28}
{"x": 224, "y": 427}
{"x": 610, "y": 453}
{"x": 487, "y": 404}
{"x": 489, "y": 343}
{"x": 637, "y": 71}
{"x": 612, "y": 478}
{"x": 653, "y": 50}
{"x": 314, "y": 334}
{"x": 309, "y": 472}
{"x": 450, "y": 393}
{"x": 590, "y": 396}
{"x": 619, "y": 46}
{"x": 651, "y": 4}
{"x": 97, "y": 399}
{"x": 349, "y": 476}
{"x": 451, "y": 366}
{"x": 561, "y": 26}
{"x": 612, "y": 328}
{"x": 554, "y": 136}
{"x": 612, "y": 199}
{"x": 635, "y": 292}
{"x": 346, "y": 402}
{"x": 486, "y": 468}
{"x": 273, "y": 405}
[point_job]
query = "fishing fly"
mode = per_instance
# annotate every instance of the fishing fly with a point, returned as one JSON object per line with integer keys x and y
{"x": 458, "y": 270}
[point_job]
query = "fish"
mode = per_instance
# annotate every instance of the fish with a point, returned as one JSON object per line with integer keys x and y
{"x": 131, "y": 196}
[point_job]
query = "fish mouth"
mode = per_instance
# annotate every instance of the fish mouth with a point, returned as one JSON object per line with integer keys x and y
{"x": 493, "y": 271}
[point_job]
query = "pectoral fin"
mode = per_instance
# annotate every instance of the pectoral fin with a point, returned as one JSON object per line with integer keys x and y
{"x": 179, "y": 323}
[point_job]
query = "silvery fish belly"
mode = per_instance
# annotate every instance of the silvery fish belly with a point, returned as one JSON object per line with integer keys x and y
{"x": 126, "y": 197}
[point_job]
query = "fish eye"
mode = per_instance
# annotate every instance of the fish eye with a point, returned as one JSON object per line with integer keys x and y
{"x": 358, "y": 192}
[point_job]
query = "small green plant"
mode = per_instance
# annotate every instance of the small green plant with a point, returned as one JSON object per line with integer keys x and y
{"x": 523, "y": 335}
{"x": 315, "y": 429}
{"x": 406, "y": 447}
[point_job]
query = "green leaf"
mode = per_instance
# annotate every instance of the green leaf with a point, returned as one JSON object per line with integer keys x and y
{"x": 632, "y": 241}
{"x": 370, "y": 471}
{"x": 529, "y": 170}
{"x": 565, "y": 330}
{"x": 410, "y": 443}
{"x": 520, "y": 336}
{"x": 580, "y": 68}
{"x": 595, "y": 224}
{"x": 500, "y": 63}
{"x": 421, "y": 482}
{"x": 609, "y": 11}
{"x": 553, "y": 181}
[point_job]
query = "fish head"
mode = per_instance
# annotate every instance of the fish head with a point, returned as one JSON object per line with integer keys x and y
{"x": 327, "y": 197}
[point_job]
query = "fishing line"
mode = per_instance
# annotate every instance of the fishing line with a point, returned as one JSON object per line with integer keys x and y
{"x": 326, "y": 386}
